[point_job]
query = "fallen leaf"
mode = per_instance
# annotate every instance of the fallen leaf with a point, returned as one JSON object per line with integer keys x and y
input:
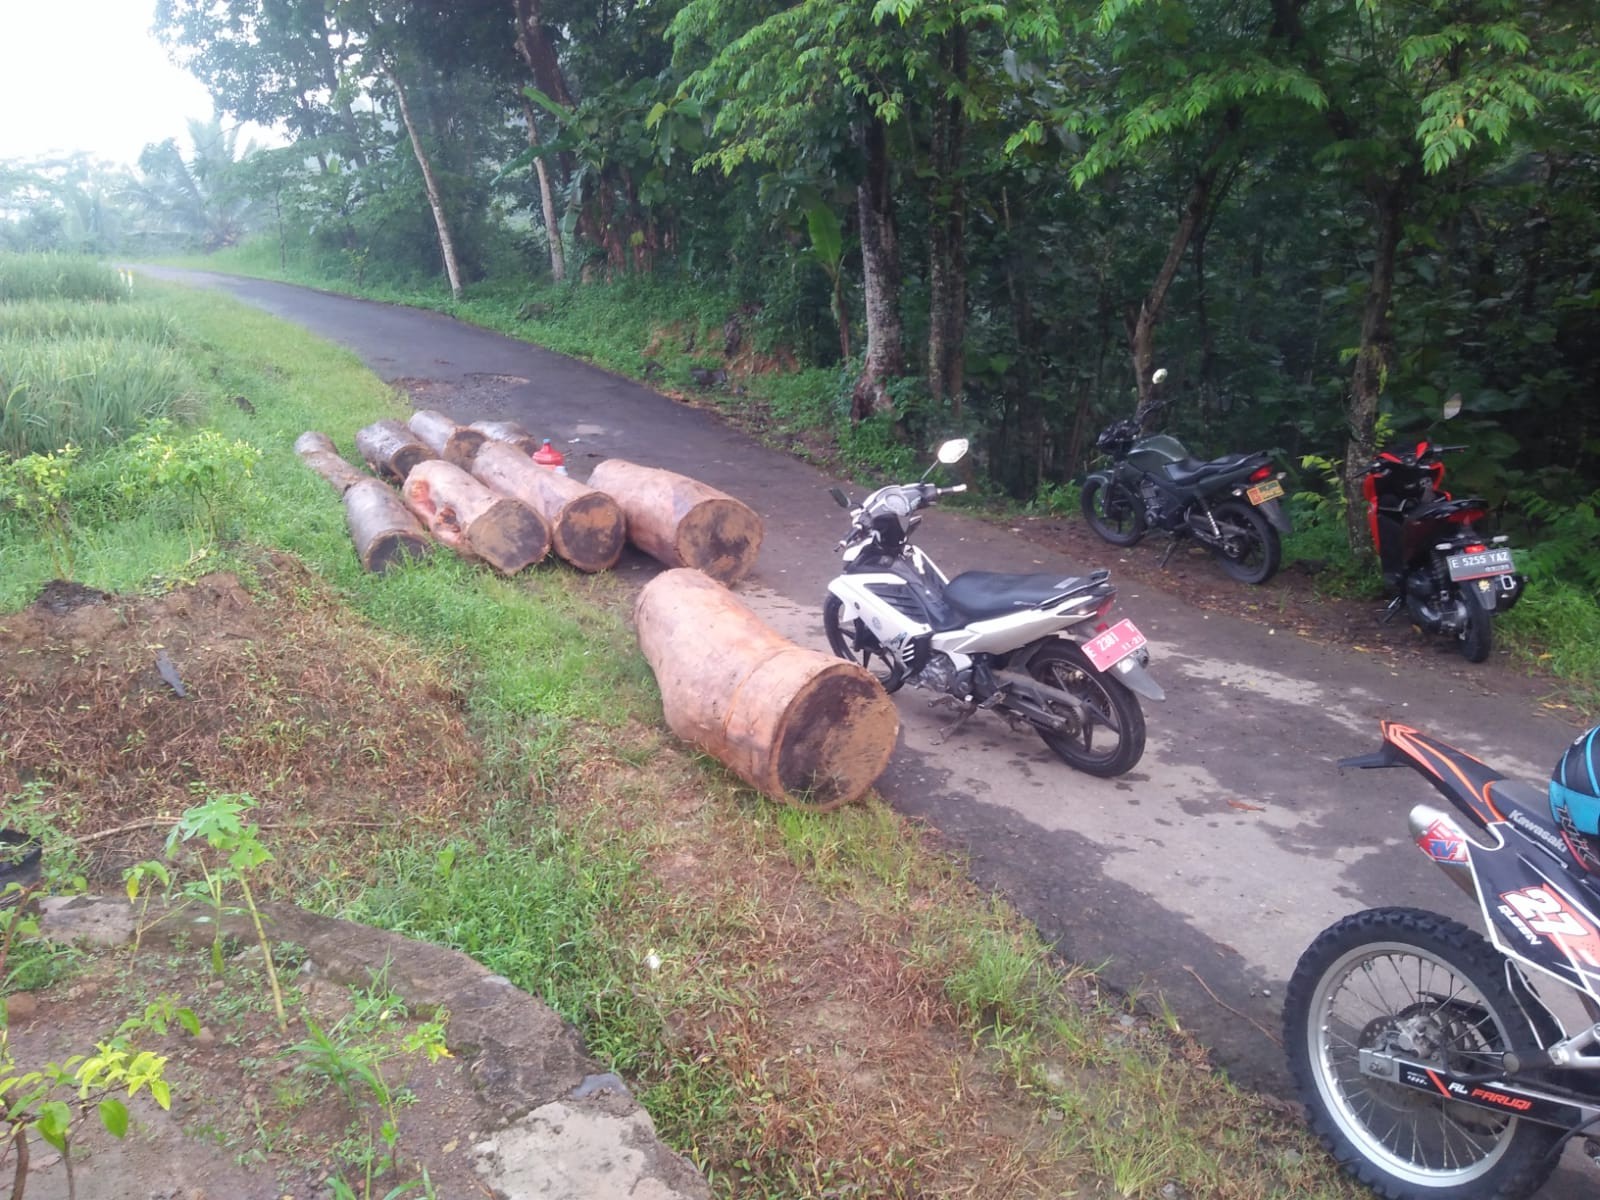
{"x": 1240, "y": 804}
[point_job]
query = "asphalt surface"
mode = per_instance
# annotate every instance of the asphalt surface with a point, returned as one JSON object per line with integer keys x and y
{"x": 1202, "y": 873}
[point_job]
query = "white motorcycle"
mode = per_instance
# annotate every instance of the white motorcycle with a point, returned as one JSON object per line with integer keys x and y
{"x": 1033, "y": 648}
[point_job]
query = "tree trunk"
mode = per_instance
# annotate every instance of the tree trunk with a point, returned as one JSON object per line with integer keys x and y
{"x": 317, "y": 451}
{"x": 384, "y": 531}
{"x": 796, "y": 724}
{"x": 947, "y": 266}
{"x": 472, "y": 520}
{"x": 509, "y": 432}
{"x": 586, "y": 526}
{"x": 1141, "y": 323}
{"x": 391, "y": 449}
{"x": 447, "y": 246}
{"x": 880, "y": 276}
{"x": 1373, "y": 359}
{"x": 547, "y": 200}
{"x": 456, "y": 444}
{"x": 681, "y": 521}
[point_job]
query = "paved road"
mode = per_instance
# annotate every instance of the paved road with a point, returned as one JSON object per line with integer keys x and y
{"x": 1203, "y": 872}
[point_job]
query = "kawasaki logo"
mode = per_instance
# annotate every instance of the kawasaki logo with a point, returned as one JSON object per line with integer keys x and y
{"x": 1529, "y": 826}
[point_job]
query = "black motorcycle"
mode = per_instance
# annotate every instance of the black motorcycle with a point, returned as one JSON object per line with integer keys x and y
{"x": 1229, "y": 504}
{"x": 1430, "y": 1060}
{"x": 1437, "y": 567}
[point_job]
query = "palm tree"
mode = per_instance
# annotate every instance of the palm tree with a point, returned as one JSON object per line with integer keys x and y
{"x": 197, "y": 199}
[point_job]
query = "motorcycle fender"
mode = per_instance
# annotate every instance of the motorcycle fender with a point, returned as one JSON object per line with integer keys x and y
{"x": 1486, "y": 598}
{"x": 1277, "y": 516}
{"x": 1137, "y": 678}
{"x": 1103, "y": 478}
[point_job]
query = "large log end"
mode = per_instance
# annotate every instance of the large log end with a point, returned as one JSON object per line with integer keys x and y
{"x": 836, "y": 738}
{"x": 721, "y": 537}
{"x": 509, "y": 536}
{"x": 384, "y": 531}
{"x": 590, "y": 532}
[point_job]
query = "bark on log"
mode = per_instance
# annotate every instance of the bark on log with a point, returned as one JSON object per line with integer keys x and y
{"x": 391, "y": 449}
{"x": 796, "y": 724}
{"x": 509, "y": 432}
{"x": 382, "y": 527}
{"x": 586, "y": 526}
{"x": 681, "y": 521}
{"x": 472, "y": 520}
{"x": 451, "y": 442}
{"x": 317, "y": 451}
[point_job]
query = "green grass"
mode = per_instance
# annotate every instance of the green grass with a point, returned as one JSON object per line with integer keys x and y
{"x": 140, "y": 319}
{"x": 89, "y": 391}
{"x": 58, "y": 277}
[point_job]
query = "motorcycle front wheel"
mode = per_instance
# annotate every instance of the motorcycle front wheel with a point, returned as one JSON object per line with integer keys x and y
{"x": 1113, "y": 511}
{"x": 1108, "y": 738}
{"x": 1411, "y": 983}
{"x": 853, "y": 641}
{"x": 1250, "y": 551}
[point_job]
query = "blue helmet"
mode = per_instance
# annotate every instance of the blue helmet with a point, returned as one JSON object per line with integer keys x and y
{"x": 1575, "y": 797}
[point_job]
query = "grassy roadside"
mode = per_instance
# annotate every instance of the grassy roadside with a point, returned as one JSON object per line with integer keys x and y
{"x": 661, "y": 334}
{"x": 804, "y": 1003}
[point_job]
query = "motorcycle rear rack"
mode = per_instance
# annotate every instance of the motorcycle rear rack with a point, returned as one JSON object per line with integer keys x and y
{"x": 1533, "y": 1104}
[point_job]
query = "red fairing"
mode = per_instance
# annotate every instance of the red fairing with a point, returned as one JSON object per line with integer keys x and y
{"x": 1369, "y": 489}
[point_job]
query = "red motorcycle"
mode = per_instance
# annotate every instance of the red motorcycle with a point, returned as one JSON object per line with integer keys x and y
{"x": 1446, "y": 575}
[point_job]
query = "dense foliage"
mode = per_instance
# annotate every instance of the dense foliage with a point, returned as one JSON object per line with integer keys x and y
{"x": 996, "y": 218}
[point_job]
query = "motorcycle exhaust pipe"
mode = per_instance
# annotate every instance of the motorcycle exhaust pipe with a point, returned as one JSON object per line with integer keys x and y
{"x": 1439, "y": 837}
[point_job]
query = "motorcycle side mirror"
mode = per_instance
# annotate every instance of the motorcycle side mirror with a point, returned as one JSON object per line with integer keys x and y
{"x": 839, "y": 497}
{"x": 953, "y": 451}
{"x": 1159, "y": 377}
{"x": 1452, "y": 407}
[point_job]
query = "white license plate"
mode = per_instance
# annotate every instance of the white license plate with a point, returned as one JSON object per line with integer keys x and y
{"x": 1262, "y": 492}
{"x": 1479, "y": 566}
{"x": 1107, "y": 649}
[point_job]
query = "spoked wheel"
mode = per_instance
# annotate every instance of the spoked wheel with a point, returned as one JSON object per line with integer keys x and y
{"x": 1250, "y": 550}
{"x": 1476, "y": 638}
{"x": 1113, "y": 512}
{"x": 1410, "y": 983}
{"x": 1108, "y": 738}
{"x": 853, "y": 641}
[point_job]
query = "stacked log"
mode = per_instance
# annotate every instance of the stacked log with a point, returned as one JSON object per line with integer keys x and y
{"x": 681, "y": 521}
{"x": 391, "y": 449}
{"x": 474, "y": 521}
{"x": 797, "y": 725}
{"x": 586, "y": 526}
{"x": 509, "y": 432}
{"x": 317, "y": 451}
{"x": 384, "y": 531}
{"x": 454, "y": 443}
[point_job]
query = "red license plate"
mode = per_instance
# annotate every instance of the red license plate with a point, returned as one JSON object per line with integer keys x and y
{"x": 1107, "y": 649}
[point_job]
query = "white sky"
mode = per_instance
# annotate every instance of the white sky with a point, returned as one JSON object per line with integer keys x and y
{"x": 88, "y": 75}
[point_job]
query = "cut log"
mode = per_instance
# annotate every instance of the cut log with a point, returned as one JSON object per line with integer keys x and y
{"x": 451, "y": 442}
{"x": 384, "y": 531}
{"x": 317, "y": 451}
{"x": 797, "y": 725}
{"x": 509, "y": 432}
{"x": 391, "y": 449}
{"x": 681, "y": 521}
{"x": 586, "y": 526}
{"x": 475, "y": 522}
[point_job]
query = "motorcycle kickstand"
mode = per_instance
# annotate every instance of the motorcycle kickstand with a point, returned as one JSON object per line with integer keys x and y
{"x": 968, "y": 712}
{"x": 1171, "y": 546}
{"x": 1394, "y": 607}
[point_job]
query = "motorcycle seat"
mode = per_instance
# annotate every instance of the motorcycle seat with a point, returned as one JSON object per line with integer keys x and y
{"x": 1191, "y": 471}
{"x": 978, "y": 595}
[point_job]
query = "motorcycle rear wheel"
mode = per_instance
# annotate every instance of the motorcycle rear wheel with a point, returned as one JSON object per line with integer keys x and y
{"x": 1476, "y": 638}
{"x": 854, "y": 642}
{"x": 1112, "y": 710}
{"x": 1113, "y": 512}
{"x": 1412, "y": 982}
{"x": 1257, "y": 550}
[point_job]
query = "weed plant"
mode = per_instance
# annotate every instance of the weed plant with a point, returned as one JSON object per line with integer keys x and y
{"x": 87, "y": 391}
{"x": 138, "y": 320}
{"x": 58, "y": 277}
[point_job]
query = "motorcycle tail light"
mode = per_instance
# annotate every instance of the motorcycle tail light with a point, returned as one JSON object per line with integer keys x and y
{"x": 1259, "y": 474}
{"x": 1102, "y": 627}
{"x": 1101, "y": 610}
{"x": 1475, "y": 548}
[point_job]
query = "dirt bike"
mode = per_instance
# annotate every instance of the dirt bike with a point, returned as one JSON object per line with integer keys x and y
{"x": 1438, "y": 568}
{"x": 1425, "y": 1055}
{"x": 1230, "y": 504}
{"x": 1032, "y": 648}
